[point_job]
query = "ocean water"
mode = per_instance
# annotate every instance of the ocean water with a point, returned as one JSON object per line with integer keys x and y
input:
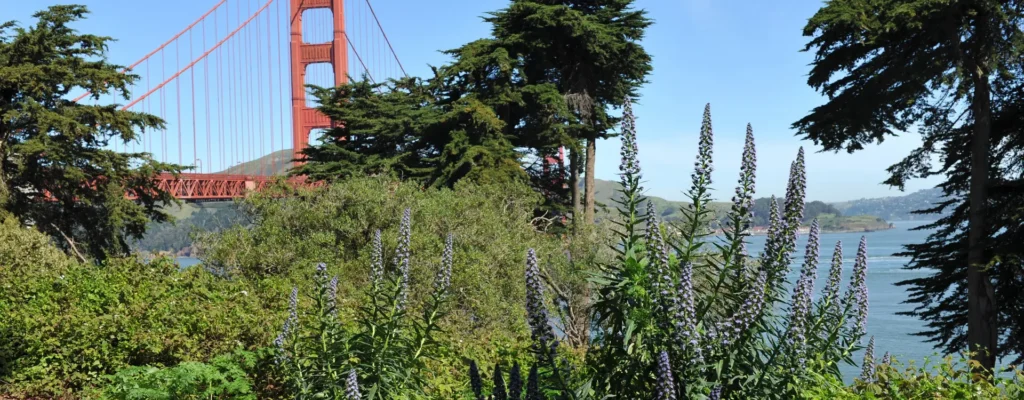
{"x": 893, "y": 333}
{"x": 186, "y": 262}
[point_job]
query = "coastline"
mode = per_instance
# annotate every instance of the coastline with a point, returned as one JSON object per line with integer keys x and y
{"x": 763, "y": 230}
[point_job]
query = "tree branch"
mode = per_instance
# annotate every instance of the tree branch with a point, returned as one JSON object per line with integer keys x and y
{"x": 70, "y": 242}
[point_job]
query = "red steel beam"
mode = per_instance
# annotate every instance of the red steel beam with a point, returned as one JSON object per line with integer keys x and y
{"x": 218, "y": 186}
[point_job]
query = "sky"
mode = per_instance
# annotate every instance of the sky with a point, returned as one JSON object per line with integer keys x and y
{"x": 742, "y": 57}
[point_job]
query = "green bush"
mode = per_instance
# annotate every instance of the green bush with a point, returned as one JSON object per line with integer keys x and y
{"x": 492, "y": 226}
{"x": 64, "y": 325}
{"x": 225, "y": 377}
{"x": 949, "y": 379}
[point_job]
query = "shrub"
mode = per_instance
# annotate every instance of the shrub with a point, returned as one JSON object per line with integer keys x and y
{"x": 64, "y": 325}
{"x": 491, "y": 226}
{"x": 680, "y": 316}
{"x": 225, "y": 377}
{"x": 389, "y": 343}
{"x": 890, "y": 379}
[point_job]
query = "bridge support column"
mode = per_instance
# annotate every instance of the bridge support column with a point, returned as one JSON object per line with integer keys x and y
{"x": 335, "y": 52}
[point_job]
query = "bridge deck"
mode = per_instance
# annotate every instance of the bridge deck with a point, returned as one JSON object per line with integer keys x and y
{"x": 217, "y": 186}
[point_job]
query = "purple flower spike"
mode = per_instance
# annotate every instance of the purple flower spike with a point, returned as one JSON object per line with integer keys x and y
{"x": 858, "y": 291}
{"x": 332, "y": 294}
{"x": 886, "y": 359}
{"x": 352, "y": 386}
{"x": 666, "y": 387}
{"x": 537, "y": 313}
{"x": 685, "y": 318}
{"x": 831, "y": 293}
{"x": 402, "y": 255}
{"x": 629, "y": 165}
{"x": 801, "y": 306}
{"x": 748, "y": 313}
{"x": 795, "y": 191}
{"x": 773, "y": 244}
{"x": 716, "y": 393}
{"x": 703, "y": 166}
{"x": 867, "y": 373}
{"x": 743, "y": 201}
{"x": 293, "y": 304}
{"x": 443, "y": 280}
{"x": 280, "y": 340}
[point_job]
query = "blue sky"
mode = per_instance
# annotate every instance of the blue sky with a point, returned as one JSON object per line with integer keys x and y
{"x": 741, "y": 56}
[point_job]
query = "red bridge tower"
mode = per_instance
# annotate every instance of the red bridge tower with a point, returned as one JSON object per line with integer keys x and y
{"x": 335, "y": 52}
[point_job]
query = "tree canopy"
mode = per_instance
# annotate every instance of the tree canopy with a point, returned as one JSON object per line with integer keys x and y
{"x": 590, "y": 52}
{"x": 55, "y": 172}
{"x": 891, "y": 66}
{"x": 408, "y": 129}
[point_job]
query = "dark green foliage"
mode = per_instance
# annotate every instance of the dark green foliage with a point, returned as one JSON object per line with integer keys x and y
{"x": 385, "y": 131}
{"x": 945, "y": 68}
{"x": 499, "y": 392}
{"x": 941, "y": 297}
{"x": 551, "y": 72}
{"x": 54, "y": 172}
{"x": 403, "y": 129}
{"x": 224, "y": 377}
{"x": 885, "y": 65}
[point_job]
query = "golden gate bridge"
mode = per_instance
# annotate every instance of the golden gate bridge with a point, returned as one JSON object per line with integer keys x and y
{"x": 231, "y": 88}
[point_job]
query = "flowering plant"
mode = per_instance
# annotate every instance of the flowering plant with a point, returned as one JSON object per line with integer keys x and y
{"x": 683, "y": 314}
{"x": 385, "y": 353}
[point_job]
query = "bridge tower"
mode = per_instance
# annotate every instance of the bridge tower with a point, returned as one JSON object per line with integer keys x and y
{"x": 335, "y": 52}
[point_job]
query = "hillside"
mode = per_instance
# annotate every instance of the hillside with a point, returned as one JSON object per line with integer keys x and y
{"x": 830, "y": 218}
{"x": 276, "y": 163}
{"x": 895, "y": 208}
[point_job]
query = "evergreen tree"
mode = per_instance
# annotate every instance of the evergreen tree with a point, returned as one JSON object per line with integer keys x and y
{"x": 941, "y": 296}
{"x": 552, "y": 70}
{"x": 892, "y": 64}
{"x": 55, "y": 173}
{"x": 412, "y": 130}
{"x": 383, "y": 131}
{"x": 533, "y": 114}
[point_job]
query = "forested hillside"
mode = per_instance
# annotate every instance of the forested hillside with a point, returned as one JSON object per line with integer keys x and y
{"x": 830, "y": 218}
{"x": 895, "y": 208}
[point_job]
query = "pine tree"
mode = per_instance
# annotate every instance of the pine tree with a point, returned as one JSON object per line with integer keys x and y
{"x": 887, "y": 66}
{"x": 55, "y": 173}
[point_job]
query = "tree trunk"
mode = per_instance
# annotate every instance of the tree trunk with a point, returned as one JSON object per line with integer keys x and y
{"x": 574, "y": 180}
{"x": 982, "y": 336}
{"x": 588, "y": 195}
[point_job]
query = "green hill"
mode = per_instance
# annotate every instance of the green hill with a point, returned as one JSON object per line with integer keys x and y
{"x": 896, "y": 208}
{"x": 830, "y": 218}
{"x": 276, "y": 163}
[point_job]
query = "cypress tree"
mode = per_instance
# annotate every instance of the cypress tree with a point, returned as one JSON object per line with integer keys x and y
{"x": 55, "y": 172}
{"x": 553, "y": 69}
